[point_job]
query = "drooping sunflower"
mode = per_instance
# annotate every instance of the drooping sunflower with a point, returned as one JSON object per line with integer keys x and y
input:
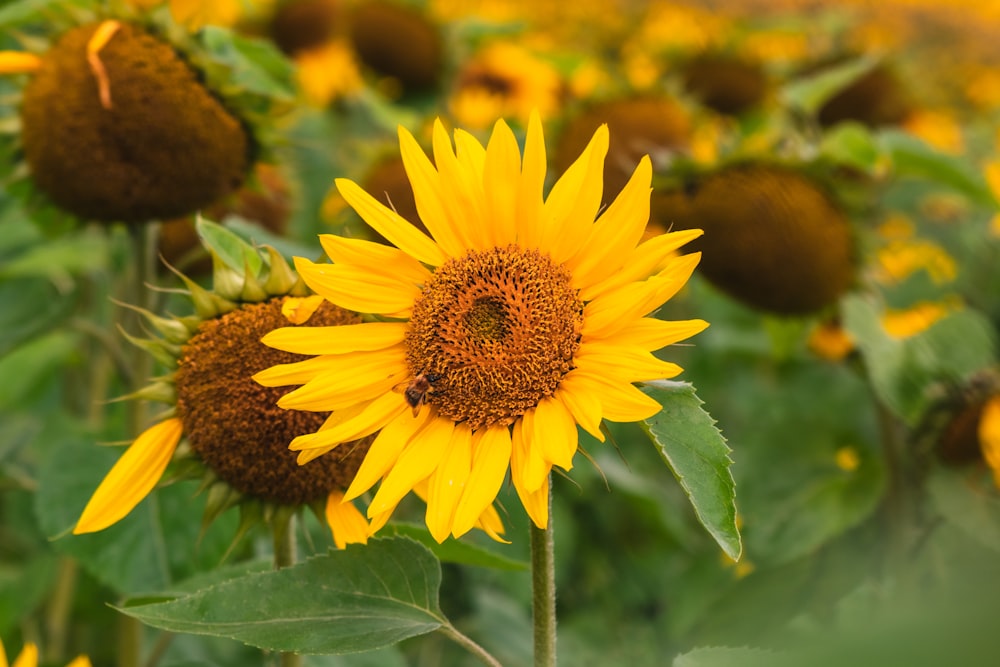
{"x": 223, "y": 428}
{"x": 518, "y": 318}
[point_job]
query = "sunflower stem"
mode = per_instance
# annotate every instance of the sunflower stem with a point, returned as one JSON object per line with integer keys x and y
{"x": 472, "y": 647}
{"x": 543, "y": 588}
{"x": 283, "y": 533}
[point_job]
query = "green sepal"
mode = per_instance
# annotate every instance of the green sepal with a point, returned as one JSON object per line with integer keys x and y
{"x": 207, "y": 305}
{"x": 226, "y": 282}
{"x": 219, "y": 498}
{"x": 162, "y": 392}
{"x": 225, "y": 246}
{"x": 253, "y": 291}
{"x": 172, "y": 330}
{"x": 281, "y": 278}
{"x": 164, "y": 352}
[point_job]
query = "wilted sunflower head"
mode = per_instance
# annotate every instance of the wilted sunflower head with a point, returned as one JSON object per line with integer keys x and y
{"x": 226, "y": 427}
{"x": 303, "y": 25}
{"x": 725, "y": 82}
{"x": 876, "y": 98}
{"x": 399, "y": 43}
{"x": 774, "y": 239}
{"x": 129, "y": 120}
{"x": 971, "y": 423}
{"x": 641, "y": 125}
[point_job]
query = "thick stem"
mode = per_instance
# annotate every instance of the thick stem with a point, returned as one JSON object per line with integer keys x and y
{"x": 543, "y": 587}
{"x": 472, "y": 647}
{"x": 59, "y": 608}
{"x": 283, "y": 533}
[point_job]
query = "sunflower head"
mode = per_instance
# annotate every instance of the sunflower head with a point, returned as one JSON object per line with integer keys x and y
{"x": 514, "y": 319}
{"x": 725, "y": 82}
{"x": 222, "y": 426}
{"x": 398, "y": 43}
{"x": 774, "y": 239}
{"x": 876, "y": 98}
{"x": 133, "y": 119}
{"x": 641, "y": 125}
{"x": 303, "y": 25}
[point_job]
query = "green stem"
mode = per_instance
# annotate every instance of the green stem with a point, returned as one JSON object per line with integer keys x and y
{"x": 283, "y": 533}
{"x": 472, "y": 647}
{"x": 129, "y": 641}
{"x": 898, "y": 506}
{"x": 543, "y": 588}
{"x": 58, "y": 610}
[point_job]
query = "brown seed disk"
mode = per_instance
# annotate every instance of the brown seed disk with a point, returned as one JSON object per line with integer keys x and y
{"x": 164, "y": 149}
{"x": 497, "y": 331}
{"x": 235, "y": 425}
{"x": 724, "y": 82}
{"x": 773, "y": 238}
{"x": 399, "y": 42}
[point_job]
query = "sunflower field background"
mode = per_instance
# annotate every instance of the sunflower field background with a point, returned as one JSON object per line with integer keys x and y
{"x": 830, "y": 495}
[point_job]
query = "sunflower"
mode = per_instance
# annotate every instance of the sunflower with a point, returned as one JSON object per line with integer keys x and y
{"x": 28, "y": 657}
{"x": 222, "y": 427}
{"x": 518, "y": 318}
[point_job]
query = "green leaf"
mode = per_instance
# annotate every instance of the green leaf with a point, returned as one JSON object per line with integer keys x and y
{"x": 23, "y": 587}
{"x": 236, "y": 253}
{"x": 35, "y": 362}
{"x": 809, "y": 94}
{"x": 362, "y": 598}
{"x": 902, "y": 371}
{"x": 913, "y": 157}
{"x": 256, "y": 65}
{"x": 974, "y": 510}
{"x": 31, "y": 306}
{"x": 455, "y": 551}
{"x": 720, "y": 656}
{"x": 698, "y": 455}
{"x": 851, "y": 144}
{"x": 60, "y": 259}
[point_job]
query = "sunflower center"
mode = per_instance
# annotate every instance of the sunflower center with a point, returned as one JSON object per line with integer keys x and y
{"x": 494, "y": 331}
{"x": 235, "y": 425}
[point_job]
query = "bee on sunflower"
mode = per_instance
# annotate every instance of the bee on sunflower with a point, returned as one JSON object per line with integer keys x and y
{"x": 515, "y": 319}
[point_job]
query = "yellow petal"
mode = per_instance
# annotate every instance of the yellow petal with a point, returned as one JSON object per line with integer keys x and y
{"x": 529, "y": 188}
{"x": 646, "y": 260}
{"x": 28, "y": 656}
{"x": 132, "y": 477}
{"x": 18, "y": 62}
{"x": 650, "y": 333}
{"x": 489, "y": 522}
{"x": 422, "y": 456}
{"x": 102, "y": 35}
{"x": 399, "y": 231}
{"x": 623, "y": 364}
{"x": 358, "y": 377}
{"x": 616, "y": 233}
{"x": 346, "y": 523}
{"x": 490, "y": 459}
{"x": 553, "y": 431}
{"x": 620, "y": 402}
{"x": 501, "y": 175}
{"x": 358, "y": 289}
{"x": 297, "y": 372}
{"x": 582, "y": 403}
{"x": 429, "y": 197}
{"x": 536, "y": 503}
{"x": 572, "y": 205}
{"x": 375, "y": 257}
{"x": 337, "y": 339}
{"x": 989, "y": 436}
{"x": 385, "y": 450}
{"x": 471, "y": 154}
{"x": 613, "y": 310}
{"x": 372, "y": 417}
{"x": 527, "y": 465}
{"x": 80, "y": 661}
{"x": 464, "y": 201}
{"x": 447, "y": 483}
{"x": 298, "y": 310}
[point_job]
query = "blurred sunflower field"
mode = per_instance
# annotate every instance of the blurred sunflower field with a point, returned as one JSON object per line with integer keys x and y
{"x": 455, "y": 332}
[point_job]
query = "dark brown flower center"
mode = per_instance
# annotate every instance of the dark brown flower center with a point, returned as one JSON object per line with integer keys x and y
{"x": 234, "y": 424}
{"x": 495, "y": 332}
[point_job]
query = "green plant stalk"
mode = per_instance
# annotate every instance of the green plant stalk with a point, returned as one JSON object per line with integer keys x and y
{"x": 58, "y": 610}
{"x": 472, "y": 647}
{"x": 283, "y": 534}
{"x": 543, "y": 589}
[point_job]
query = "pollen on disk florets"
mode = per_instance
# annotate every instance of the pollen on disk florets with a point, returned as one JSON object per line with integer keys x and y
{"x": 234, "y": 424}
{"x": 496, "y": 331}
{"x": 161, "y": 146}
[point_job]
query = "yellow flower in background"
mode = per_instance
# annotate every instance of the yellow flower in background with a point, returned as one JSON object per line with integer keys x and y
{"x": 939, "y": 129}
{"x": 28, "y": 657}
{"x": 504, "y": 80}
{"x": 196, "y": 14}
{"x": 900, "y": 259}
{"x": 328, "y": 72}
{"x": 519, "y": 318}
{"x": 989, "y": 436}
{"x": 911, "y": 321}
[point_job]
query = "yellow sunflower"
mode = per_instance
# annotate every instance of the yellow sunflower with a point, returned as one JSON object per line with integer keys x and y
{"x": 518, "y": 318}
{"x": 28, "y": 657}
